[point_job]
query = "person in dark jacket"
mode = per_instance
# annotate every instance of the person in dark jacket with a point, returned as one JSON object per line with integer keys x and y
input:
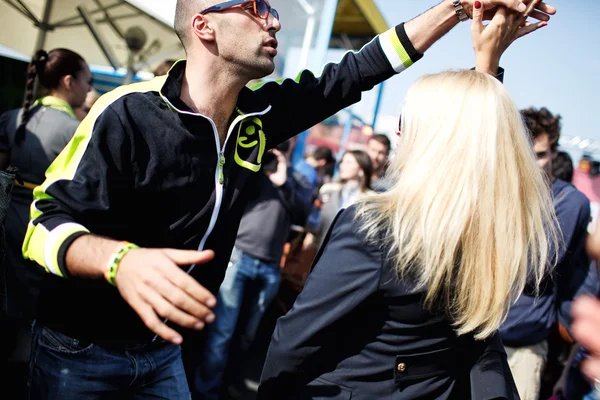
{"x": 410, "y": 287}
{"x": 31, "y": 137}
{"x": 526, "y": 333}
{"x": 138, "y": 216}
{"x": 282, "y": 195}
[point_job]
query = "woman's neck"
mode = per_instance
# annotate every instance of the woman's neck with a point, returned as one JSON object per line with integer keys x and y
{"x": 60, "y": 95}
{"x": 351, "y": 184}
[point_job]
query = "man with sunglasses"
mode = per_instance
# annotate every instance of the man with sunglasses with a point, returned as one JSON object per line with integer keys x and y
{"x": 154, "y": 184}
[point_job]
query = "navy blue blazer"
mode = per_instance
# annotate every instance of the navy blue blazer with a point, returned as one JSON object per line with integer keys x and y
{"x": 357, "y": 332}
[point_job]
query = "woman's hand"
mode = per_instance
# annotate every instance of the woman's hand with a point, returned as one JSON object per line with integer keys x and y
{"x": 491, "y": 40}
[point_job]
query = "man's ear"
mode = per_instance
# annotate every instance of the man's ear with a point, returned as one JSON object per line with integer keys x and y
{"x": 202, "y": 29}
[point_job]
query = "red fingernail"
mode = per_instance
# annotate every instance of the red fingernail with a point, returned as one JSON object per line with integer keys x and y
{"x": 477, "y": 5}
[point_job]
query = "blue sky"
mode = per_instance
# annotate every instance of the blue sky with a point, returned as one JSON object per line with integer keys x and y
{"x": 558, "y": 66}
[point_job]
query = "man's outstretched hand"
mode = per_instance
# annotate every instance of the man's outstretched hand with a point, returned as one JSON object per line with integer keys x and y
{"x": 540, "y": 10}
{"x": 152, "y": 282}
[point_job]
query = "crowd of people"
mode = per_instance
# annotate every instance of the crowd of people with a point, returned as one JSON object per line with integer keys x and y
{"x": 149, "y": 230}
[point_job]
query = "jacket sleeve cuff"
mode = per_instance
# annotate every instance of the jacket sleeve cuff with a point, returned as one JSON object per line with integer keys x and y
{"x": 398, "y": 48}
{"x": 499, "y": 75}
{"x": 61, "y": 257}
{"x": 56, "y": 244}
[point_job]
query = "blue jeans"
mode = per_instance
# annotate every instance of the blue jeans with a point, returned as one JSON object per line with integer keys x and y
{"x": 242, "y": 270}
{"x": 64, "y": 368}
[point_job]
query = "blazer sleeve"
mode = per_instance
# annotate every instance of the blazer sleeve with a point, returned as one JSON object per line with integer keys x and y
{"x": 491, "y": 378}
{"x": 345, "y": 274}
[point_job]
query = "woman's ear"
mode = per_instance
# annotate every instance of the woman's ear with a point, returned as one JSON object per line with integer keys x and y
{"x": 67, "y": 82}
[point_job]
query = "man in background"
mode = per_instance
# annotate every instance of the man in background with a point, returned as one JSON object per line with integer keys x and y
{"x": 531, "y": 319}
{"x": 282, "y": 197}
{"x": 378, "y": 148}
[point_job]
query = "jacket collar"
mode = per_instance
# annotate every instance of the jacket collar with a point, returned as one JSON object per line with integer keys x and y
{"x": 248, "y": 101}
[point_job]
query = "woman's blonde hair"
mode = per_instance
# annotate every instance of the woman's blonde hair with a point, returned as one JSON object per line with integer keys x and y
{"x": 469, "y": 216}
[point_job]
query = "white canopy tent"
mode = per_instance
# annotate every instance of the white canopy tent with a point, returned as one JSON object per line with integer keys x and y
{"x": 115, "y": 33}
{"x": 137, "y": 35}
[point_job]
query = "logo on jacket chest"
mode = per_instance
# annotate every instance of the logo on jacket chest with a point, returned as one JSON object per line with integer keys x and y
{"x": 250, "y": 144}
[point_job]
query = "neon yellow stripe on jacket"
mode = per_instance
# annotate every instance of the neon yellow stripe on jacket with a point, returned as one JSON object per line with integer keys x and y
{"x": 394, "y": 51}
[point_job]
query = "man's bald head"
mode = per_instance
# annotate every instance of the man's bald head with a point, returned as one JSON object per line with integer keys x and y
{"x": 184, "y": 10}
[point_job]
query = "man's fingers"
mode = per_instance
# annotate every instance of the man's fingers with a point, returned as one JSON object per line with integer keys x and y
{"x": 586, "y": 307}
{"x": 546, "y": 8}
{"x": 166, "y": 310}
{"x": 592, "y": 244}
{"x": 529, "y": 27}
{"x": 150, "y": 319}
{"x": 182, "y": 300}
{"x": 540, "y": 16}
{"x": 529, "y": 9}
{"x": 189, "y": 257}
{"x": 585, "y": 332}
{"x": 591, "y": 368}
{"x": 515, "y": 5}
{"x": 191, "y": 287}
{"x": 500, "y": 17}
{"x": 586, "y": 324}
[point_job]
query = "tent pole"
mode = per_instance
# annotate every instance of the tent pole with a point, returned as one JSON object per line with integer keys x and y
{"x": 308, "y": 34}
{"x": 317, "y": 59}
{"x": 130, "y": 69}
{"x": 97, "y": 34}
{"x": 44, "y": 25}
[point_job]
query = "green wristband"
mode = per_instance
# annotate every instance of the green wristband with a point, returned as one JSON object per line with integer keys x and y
{"x": 113, "y": 265}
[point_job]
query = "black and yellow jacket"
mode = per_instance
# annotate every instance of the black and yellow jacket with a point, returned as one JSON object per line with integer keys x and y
{"x": 143, "y": 167}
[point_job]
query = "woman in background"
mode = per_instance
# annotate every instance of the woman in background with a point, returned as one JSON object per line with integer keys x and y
{"x": 30, "y": 139}
{"x": 354, "y": 181}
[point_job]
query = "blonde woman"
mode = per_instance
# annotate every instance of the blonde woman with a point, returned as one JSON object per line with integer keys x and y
{"x": 410, "y": 287}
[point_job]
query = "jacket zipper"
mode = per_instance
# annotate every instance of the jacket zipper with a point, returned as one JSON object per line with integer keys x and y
{"x": 219, "y": 174}
{"x": 221, "y": 164}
